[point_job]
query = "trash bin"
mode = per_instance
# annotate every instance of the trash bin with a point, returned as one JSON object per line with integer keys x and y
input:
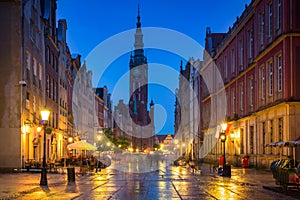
{"x": 71, "y": 174}
{"x": 227, "y": 171}
{"x": 245, "y": 162}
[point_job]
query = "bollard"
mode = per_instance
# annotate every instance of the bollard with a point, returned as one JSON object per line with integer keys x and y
{"x": 71, "y": 174}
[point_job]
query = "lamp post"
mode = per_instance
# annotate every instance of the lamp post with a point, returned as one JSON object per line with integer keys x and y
{"x": 68, "y": 140}
{"x": 99, "y": 138}
{"x": 45, "y": 117}
{"x": 226, "y": 168}
{"x": 223, "y": 139}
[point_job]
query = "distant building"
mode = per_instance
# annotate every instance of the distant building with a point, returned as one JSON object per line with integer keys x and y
{"x": 83, "y": 105}
{"x": 122, "y": 120}
{"x": 187, "y": 116}
{"x": 103, "y": 111}
{"x": 107, "y": 120}
{"x": 137, "y": 122}
{"x": 165, "y": 142}
{"x": 75, "y": 65}
{"x": 138, "y": 103}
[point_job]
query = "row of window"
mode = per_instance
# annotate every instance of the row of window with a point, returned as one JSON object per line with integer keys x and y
{"x": 51, "y": 59}
{"x": 63, "y": 113}
{"x": 51, "y": 88}
{"x": 34, "y": 70}
{"x": 34, "y": 34}
{"x": 265, "y": 32}
{"x": 33, "y": 103}
{"x": 268, "y": 77}
{"x": 272, "y": 131}
{"x": 63, "y": 83}
{"x": 62, "y": 103}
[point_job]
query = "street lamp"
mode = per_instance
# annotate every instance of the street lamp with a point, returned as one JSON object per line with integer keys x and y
{"x": 68, "y": 140}
{"x": 45, "y": 117}
{"x": 223, "y": 139}
{"x": 99, "y": 138}
{"x": 226, "y": 169}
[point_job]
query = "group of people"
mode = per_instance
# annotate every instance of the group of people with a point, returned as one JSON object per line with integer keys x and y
{"x": 87, "y": 163}
{"x": 91, "y": 163}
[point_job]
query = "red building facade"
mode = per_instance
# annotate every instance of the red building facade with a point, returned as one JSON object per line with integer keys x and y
{"x": 258, "y": 62}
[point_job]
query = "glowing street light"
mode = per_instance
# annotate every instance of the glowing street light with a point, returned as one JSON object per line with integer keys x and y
{"x": 45, "y": 117}
{"x": 226, "y": 169}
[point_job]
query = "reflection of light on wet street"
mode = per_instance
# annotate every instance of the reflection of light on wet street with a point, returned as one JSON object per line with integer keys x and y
{"x": 140, "y": 162}
{"x": 167, "y": 182}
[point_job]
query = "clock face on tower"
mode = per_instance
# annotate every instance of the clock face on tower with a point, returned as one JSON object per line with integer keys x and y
{"x": 136, "y": 72}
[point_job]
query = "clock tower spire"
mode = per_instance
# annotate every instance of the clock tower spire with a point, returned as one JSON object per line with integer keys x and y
{"x": 138, "y": 36}
{"x": 138, "y": 103}
{"x": 138, "y": 76}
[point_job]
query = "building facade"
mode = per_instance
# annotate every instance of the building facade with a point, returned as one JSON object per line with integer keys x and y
{"x": 83, "y": 105}
{"x": 23, "y": 83}
{"x": 187, "y": 116}
{"x": 103, "y": 111}
{"x": 258, "y": 62}
{"x": 37, "y": 71}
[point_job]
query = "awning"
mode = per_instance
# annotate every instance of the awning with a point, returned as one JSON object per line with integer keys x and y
{"x": 82, "y": 145}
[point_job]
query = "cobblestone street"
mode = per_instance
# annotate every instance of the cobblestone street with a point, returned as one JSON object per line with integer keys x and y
{"x": 165, "y": 183}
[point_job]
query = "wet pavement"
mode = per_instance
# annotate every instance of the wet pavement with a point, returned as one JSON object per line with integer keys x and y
{"x": 168, "y": 182}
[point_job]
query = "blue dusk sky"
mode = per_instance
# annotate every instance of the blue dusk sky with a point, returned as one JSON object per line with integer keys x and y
{"x": 94, "y": 24}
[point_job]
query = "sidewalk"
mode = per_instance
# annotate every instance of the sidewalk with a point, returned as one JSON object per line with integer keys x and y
{"x": 16, "y": 185}
{"x": 260, "y": 177}
{"x": 13, "y": 185}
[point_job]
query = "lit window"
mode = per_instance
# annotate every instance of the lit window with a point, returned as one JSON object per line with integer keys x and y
{"x": 40, "y": 72}
{"x": 251, "y": 90}
{"x": 271, "y": 134}
{"x": 279, "y": 14}
{"x": 262, "y": 29}
{"x": 262, "y": 77}
{"x": 34, "y": 103}
{"x": 264, "y": 136}
{"x": 28, "y": 60}
{"x": 250, "y": 48}
{"x": 270, "y": 65}
{"x": 241, "y": 51}
{"x": 270, "y": 16}
{"x": 233, "y": 101}
{"x": 232, "y": 61}
{"x": 279, "y": 72}
{"x": 34, "y": 67}
{"x": 241, "y": 98}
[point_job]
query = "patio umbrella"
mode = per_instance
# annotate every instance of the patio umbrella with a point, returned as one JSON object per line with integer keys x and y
{"x": 82, "y": 145}
{"x": 277, "y": 144}
{"x": 293, "y": 144}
